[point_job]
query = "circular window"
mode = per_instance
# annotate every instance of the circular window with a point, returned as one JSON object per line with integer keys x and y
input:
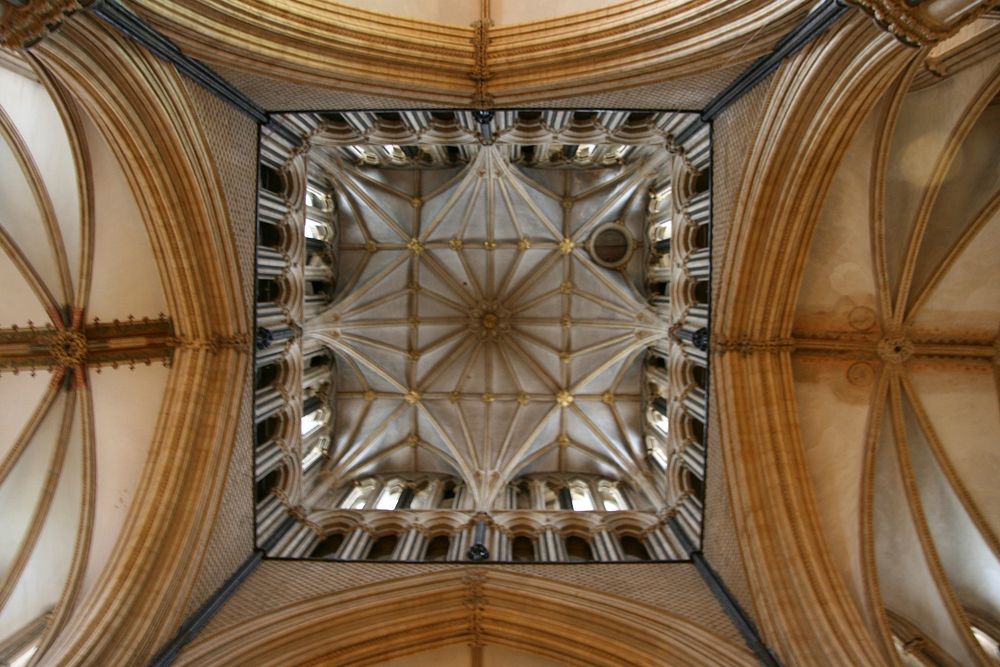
{"x": 611, "y": 245}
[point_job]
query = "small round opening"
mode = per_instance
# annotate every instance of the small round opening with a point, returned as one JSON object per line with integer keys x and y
{"x": 611, "y": 245}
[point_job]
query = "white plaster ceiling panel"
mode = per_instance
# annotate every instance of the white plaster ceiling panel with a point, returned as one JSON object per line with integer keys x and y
{"x": 962, "y": 301}
{"x": 966, "y": 557}
{"x": 931, "y": 124}
{"x": 962, "y": 406}
{"x": 907, "y": 578}
{"x": 833, "y": 411}
{"x": 74, "y": 247}
{"x": 896, "y": 334}
{"x": 39, "y": 190}
{"x": 123, "y": 283}
{"x": 470, "y": 310}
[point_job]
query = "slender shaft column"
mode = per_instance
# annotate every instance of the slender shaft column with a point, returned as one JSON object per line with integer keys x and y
{"x": 270, "y": 262}
{"x": 460, "y": 495}
{"x": 318, "y": 272}
{"x": 270, "y": 207}
{"x": 270, "y": 513}
{"x": 315, "y": 375}
{"x": 405, "y": 498}
{"x": 699, "y": 208}
{"x": 315, "y": 245}
{"x": 270, "y": 314}
{"x": 431, "y": 495}
{"x": 656, "y": 545}
{"x": 357, "y": 544}
{"x": 501, "y": 545}
{"x": 605, "y": 545}
{"x": 460, "y": 544}
{"x": 565, "y": 498}
{"x": 537, "y": 487}
{"x": 693, "y": 455}
{"x": 311, "y": 404}
{"x": 298, "y": 542}
{"x": 267, "y": 402}
{"x": 699, "y": 264}
{"x": 550, "y": 545}
{"x": 694, "y": 403}
{"x": 411, "y": 545}
{"x": 268, "y": 456}
{"x": 684, "y": 519}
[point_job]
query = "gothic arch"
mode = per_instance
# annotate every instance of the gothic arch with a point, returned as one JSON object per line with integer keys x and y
{"x": 393, "y": 619}
{"x": 143, "y": 110}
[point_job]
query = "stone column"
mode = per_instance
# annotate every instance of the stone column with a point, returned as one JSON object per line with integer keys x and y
{"x": 550, "y": 545}
{"x": 356, "y": 545}
{"x": 605, "y": 545}
{"x": 411, "y": 545}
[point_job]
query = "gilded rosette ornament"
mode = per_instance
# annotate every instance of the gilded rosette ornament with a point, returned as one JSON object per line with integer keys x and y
{"x": 22, "y": 26}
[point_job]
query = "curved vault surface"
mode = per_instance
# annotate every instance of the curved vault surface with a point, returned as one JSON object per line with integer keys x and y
{"x": 475, "y": 334}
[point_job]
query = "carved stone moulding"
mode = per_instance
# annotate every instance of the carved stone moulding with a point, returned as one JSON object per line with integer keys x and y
{"x": 23, "y": 24}
{"x": 923, "y": 22}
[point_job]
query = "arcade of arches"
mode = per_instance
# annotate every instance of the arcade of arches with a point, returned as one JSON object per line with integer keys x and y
{"x": 488, "y": 333}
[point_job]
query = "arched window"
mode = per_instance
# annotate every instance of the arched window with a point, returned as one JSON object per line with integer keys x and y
{"x": 447, "y": 496}
{"x": 268, "y": 290}
{"x": 658, "y": 420}
{"x": 523, "y": 496}
{"x": 697, "y": 431}
{"x": 522, "y": 549}
{"x": 578, "y": 550}
{"x": 389, "y": 497}
{"x": 328, "y": 547}
{"x": 551, "y": 498}
{"x": 611, "y": 496}
{"x": 271, "y": 179}
{"x": 321, "y": 288}
{"x": 358, "y": 496}
{"x": 267, "y": 428}
{"x": 270, "y": 236}
{"x": 265, "y": 376}
{"x": 580, "y": 498}
{"x": 383, "y": 547}
{"x": 266, "y": 485}
{"x": 437, "y": 548}
{"x": 702, "y": 294}
{"x": 700, "y": 376}
{"x": 313, "y": 420}
{"x": 700, "y": 238}
{"x": 694, "y": 483}
{"x": 315, "y": 451}
{"x": 633, "y": 549}
{"x": 316, "y": 198}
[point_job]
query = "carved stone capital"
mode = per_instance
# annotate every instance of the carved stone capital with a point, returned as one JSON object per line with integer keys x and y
{"x": 20, "y": 27}
{"x": 915, "y": 22}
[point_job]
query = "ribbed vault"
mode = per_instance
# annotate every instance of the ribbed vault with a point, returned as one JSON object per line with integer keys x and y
{"x": 896, "y": 365}
{"x": 476, "y": 334}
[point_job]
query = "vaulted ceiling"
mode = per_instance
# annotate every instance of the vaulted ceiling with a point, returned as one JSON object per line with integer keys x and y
{"x": 474, "y": 331}
{"x": 80, "y": 384}
{"x": 896, "y": 373}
